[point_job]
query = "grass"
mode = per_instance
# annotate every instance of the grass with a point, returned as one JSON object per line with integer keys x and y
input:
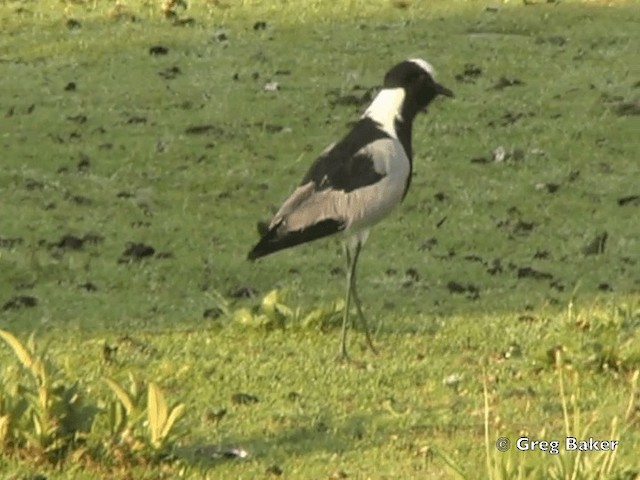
{"x": 486, "y": 267}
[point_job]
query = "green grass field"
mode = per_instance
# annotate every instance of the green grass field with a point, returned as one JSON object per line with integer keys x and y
{"x": 124, "y": 128}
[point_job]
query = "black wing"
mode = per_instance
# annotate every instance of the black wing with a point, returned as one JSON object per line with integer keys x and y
{"x": 342, "y": 167}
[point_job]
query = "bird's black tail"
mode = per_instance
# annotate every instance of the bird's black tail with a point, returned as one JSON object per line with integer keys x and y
{"x": 278, "y": 238}
{"x": 265, "y": 246}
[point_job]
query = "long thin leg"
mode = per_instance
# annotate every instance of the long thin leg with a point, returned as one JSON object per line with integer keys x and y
{"x": 351, "y": 264}
{"x": 352, "y": 291}
{"x": 363, "y": 319}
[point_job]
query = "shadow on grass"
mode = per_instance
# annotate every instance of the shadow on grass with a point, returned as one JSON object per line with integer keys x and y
{"x": 289, "y": 442}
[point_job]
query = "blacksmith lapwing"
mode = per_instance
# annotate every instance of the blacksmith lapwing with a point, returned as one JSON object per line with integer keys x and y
{"x": 357, "y": 181}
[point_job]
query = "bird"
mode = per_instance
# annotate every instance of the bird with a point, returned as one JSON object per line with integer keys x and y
{"x": 357, "y": 181}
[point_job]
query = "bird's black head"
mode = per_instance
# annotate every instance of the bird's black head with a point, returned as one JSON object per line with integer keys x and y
{"x": 415, "y": 77}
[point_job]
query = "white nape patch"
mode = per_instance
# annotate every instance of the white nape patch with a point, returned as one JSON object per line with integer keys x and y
{"x": 385, "y": 108}
{"x": 426, "y": 66}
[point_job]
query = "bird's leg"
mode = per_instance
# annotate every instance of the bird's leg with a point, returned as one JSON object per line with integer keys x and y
{"x": 345, "y": 318}
{"x": 352, "y": 262}
{"x": 356, "y": 300}
{"x": 363, "y": 319}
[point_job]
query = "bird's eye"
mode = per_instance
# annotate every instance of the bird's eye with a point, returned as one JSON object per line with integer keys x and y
{"x": 417, "y": 77}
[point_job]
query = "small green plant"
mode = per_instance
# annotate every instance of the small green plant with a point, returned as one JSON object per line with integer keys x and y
{"x": 124, "y": 412}
{"x": 41, "y": 414}
{"x": 161, "y": 419}
{"x": 126, "y": 415}
{"x": 274, "y": 312}
{"x": 44, "y": 418}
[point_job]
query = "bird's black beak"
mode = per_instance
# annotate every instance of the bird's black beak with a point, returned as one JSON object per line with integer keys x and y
{"x": 442, "y": 90}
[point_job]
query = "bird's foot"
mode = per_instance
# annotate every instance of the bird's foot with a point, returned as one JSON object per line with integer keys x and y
{"x": 371, "y": 346}
{"x": 347, "y": 361}
{"x": 343, "y": 356}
